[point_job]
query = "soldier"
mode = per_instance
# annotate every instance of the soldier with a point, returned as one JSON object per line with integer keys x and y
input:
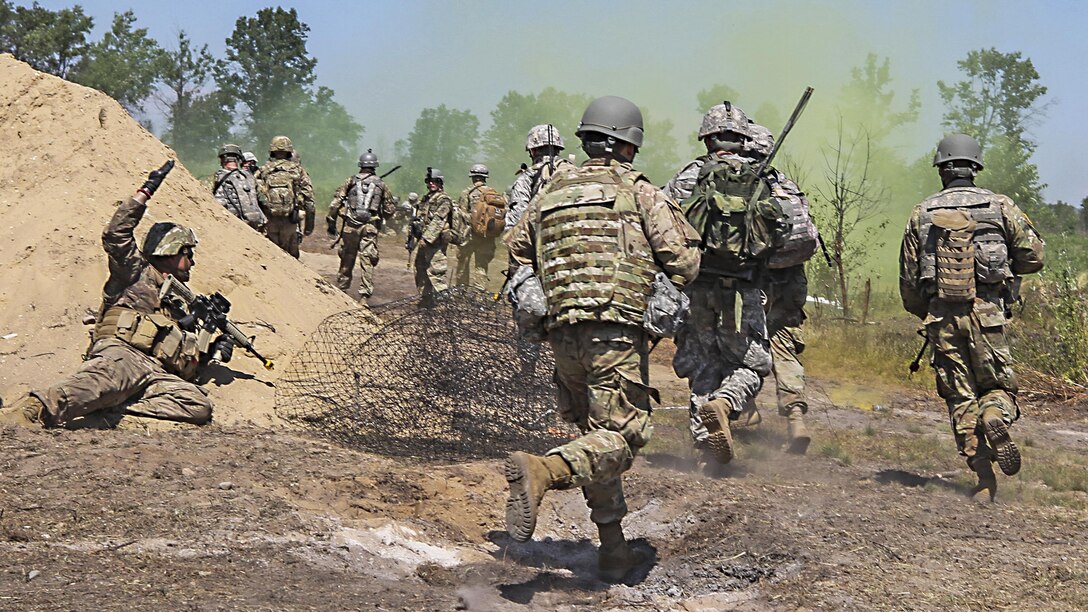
{"x": 543, "y": 144}
{"x": 363, "y": 202}
{"x": 724, "y": 364}
{"x": 485, "y": 210}
{"x": 432, "y": 227}
{"x": 235, "y": 189}
{"x": 406, "y": 210}
{"x": 140, "y": 358}
{"x": 596, "y": 236}
{"x": 249, "y": 163}
{"x": 287, "y": 196}
{"x": 786, "y": 285}
{"x": 963, "y": 252}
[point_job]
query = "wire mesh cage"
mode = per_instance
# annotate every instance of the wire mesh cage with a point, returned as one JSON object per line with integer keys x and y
{"x": 448, "y": 381}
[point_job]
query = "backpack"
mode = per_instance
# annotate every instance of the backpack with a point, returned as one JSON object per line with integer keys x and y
{"x": 803, "y": 239}
{"x": 279, "y": 184}
{"x": 488, "y": 217}
{"x": 736, "y": 235}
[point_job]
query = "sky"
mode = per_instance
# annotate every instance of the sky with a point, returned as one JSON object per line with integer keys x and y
{"x": 389, "y": 60}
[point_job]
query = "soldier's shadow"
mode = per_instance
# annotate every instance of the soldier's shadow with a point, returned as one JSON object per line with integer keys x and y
{"x": 910, "y": 479}
{"x": 578, "y": 557}
{"x": 219, "y": 374}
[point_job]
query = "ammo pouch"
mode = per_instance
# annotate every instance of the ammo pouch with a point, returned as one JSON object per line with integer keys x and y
{"x": 527, "y": 296}
{"x": 154, "y": 334}
{"x": 955, "y": 255}
{"x": 667, "y": 309}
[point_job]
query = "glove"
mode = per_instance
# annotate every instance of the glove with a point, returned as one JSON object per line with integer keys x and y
{"x": 225, "y": 347}
{"x": 155, "y": 178}
{"x": 332, "y": 226}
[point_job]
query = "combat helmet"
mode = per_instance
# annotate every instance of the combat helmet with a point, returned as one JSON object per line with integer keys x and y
{"x": 231, "y": 150}
{"x": 612, "y": 116}
{"x": 413, "y": 196}
{"x": 478, "y": 170}
{"x": 725, "y": 117}
{"x": 761, "y": 142}
{"x": 281, "y": 144}
{"x": 544, "y": 135}
{"x": 368, "y": 159}
{"x": 433, "y": 174}
{"x": 248, "y": 157}
{"x": 166, "y": 239}
{"x": 956, "y": 147}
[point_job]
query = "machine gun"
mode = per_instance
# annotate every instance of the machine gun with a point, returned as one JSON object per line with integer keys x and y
{"x": 208, "y": 314}
{"x": 766, "y": 163}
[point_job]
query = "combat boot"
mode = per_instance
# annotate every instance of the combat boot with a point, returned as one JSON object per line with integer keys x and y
{"x": 715, "y": 415}
{"x": 616, "y": 558}
{"x": 749, "y": 416}
{"x": 987, "y": 481}
{"x": 997, "y": 434}
{"x": 28, "y": 412}
{"x": 796, "y": 430}
{"x": 530, "y": 477}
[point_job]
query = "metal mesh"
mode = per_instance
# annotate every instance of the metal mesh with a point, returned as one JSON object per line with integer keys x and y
{"x": 448, "y": 381}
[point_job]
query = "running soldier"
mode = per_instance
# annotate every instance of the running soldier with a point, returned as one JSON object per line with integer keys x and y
{"x": 235, "y": 189}
{"x": 287, "y": 196}
{"x": 482, "y": 213}
{"x": 363, "y": 202}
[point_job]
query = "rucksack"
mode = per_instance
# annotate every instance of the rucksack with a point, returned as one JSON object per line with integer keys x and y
{"x": 280, "y": 185}
{"x": 803, "y": 238}
{"x": 737, "y": 233}
{"x": 488, "y": 213}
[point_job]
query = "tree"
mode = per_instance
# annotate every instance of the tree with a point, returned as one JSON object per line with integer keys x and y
{"x": 198, "y": 121}
{"x": 50, "y": 41}
{"x": 715, "y": 94}
{"x": 125, "y": 64}
{"x": 442, "y": 138}
{"x": 657, "y": 157}
{"x": 851, "y": 202}
{"x": 868, "y": 100}
{"x": 503, "y": 145}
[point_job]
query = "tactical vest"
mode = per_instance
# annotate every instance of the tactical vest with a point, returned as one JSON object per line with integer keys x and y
{"x": 279, "y": 184}
{"x": 801, "y": 242}
{"x": 154, "y": 334}
{"x": 594, "y": 261}
{"x": 364, "y": 195}
{"x": 957, "y": 252}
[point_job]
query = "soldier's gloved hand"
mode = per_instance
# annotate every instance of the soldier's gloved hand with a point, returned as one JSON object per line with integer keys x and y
{"x": 155, "y": 178}
{"x": 331, "y": 226}
{"x": 224, "y": 346}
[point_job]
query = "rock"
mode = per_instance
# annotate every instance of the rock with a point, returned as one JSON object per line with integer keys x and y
{"x": 32, "y": 574}
{"x": 226, "y": 485}
{"x": 187, "y": 472}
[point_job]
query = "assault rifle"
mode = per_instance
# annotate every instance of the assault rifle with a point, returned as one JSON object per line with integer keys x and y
{"x": 766, "y": 163}
{"x": 208, "y": 314}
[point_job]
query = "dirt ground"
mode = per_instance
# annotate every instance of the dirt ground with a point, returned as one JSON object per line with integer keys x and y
{"x": 250, "y": 513}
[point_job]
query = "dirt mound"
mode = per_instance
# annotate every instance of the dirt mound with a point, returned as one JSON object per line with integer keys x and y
{"x": 71, "y": 155}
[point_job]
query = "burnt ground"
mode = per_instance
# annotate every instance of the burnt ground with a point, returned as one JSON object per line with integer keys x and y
{"x": 874, "y": 517}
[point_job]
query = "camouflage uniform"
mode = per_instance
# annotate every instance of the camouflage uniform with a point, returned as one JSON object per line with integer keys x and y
{"x": 595, "y": 300}
{"x": 720, "y": 359}
{"x": 528, "y": 183}
{"x": 475, "y": 255}
{"x": 435, "y": 215}
{"x": 282, "y": 229}
{"x": 237, "y": 192}
{"x": 970, "y": 354}
{"x": 116, "y": 373}
{"x": 359, "y": 239}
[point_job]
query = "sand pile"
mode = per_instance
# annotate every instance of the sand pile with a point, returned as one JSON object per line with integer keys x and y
{"x": 70, "y": 155}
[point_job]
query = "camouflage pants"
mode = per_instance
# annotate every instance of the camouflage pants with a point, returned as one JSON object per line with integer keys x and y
{"x": 473, "y": 258}
{"x": 283, "y": 233}
{"x": 431, "y": 268}
{"x": 787, "y": 290}
{"x": 601, "y": 370}
{"x": 117, "y": 375}
{"x": 358, "y": 242}
{"x": 720, "y": 356}
{"x": 974, "y": 371}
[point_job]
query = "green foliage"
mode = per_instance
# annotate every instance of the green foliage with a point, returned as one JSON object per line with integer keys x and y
{"x": 125, "y": 64}
{"x": 443, "y": 138}
{"x": 50, "y": 41}
{"x": 715, "y": 94}
{"x": 1052, "y": 334}
{"x": 503, "y": 144}
{"x": 657, "y": 157}
{"x": 869, "y": 101}
{"x": 197, "y": 122}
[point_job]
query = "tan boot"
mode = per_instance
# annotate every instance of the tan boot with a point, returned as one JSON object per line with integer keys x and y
{"x": 27, "y": 412}
{"x": 997, "y": 434}
{"x": 797, "y": 432}
{"x": 749, "y": 416}
{"x": 616, "y": 558}
{"x": 987, "y": 480}
{"x": 715, "y": 415}
{"x": 530, "y": 477}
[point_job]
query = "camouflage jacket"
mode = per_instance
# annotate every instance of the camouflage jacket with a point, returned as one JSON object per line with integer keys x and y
{"x": 652, "y": 236}
{"x": 435, "y": 214}
{"x": 133, "y": 282}
{"x": 681, "y": 186}
{"x": 382, "y": 201}
{"x": 237, "y": 192}
{"x": 304, "y": 189}
{"x": 1023, "y": 247}
{"x": 527, "y": 185}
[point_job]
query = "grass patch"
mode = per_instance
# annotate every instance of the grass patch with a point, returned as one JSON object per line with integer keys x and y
{"x": 914, "y": 428}
{"x": 834, "y": 449}
{"x": 878, "y": 352}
